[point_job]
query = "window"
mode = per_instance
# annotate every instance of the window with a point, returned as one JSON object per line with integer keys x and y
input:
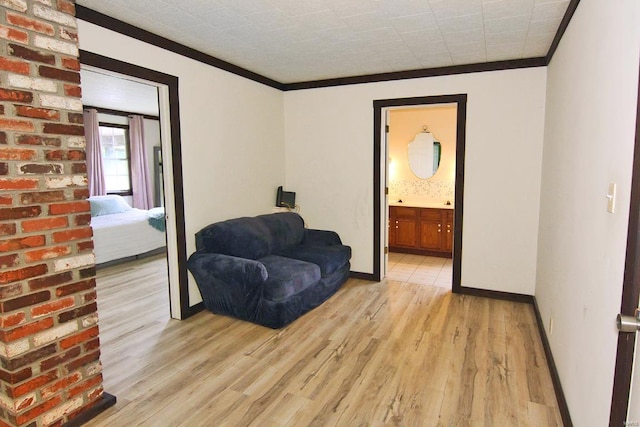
{"x": 114, "y": 144}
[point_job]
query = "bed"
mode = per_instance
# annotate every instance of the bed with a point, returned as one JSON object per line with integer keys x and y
{"x": 121, "y": 232}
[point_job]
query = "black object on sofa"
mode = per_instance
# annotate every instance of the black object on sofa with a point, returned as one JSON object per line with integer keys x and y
{"x": 268, "y": 269}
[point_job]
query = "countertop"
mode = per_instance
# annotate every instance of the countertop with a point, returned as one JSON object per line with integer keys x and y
{"x": 436, "y": 205}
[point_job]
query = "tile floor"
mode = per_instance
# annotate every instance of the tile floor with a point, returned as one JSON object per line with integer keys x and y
{"x": 423, "y": 270}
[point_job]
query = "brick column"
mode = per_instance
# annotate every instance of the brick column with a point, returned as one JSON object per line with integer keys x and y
{"x": 49, "y": 347}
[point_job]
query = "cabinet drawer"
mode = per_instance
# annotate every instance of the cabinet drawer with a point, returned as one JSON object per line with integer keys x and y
{"x": 449, "y": 214}
{"x": 431, "y": 214}
{"x": 403, "y": 211}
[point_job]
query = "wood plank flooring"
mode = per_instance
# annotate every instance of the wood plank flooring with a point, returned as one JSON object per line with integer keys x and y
{"x": 375, "y": 354}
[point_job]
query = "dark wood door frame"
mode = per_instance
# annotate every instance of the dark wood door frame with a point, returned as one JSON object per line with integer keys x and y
{"x": 461, "y": 125}
{"x": 120, "y": 67}
{"x": 630, "y": 294}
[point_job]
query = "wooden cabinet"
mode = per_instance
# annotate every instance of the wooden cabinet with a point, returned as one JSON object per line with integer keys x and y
{"x": 426, "y": 231}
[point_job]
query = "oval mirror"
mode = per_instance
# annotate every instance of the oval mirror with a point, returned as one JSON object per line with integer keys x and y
{"x": 424, "y": 155}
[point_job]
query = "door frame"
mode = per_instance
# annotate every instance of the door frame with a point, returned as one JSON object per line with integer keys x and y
{"x": 630, "y": 293}
{"x": 379, "y": 185}
{"x": 182, "y": 310}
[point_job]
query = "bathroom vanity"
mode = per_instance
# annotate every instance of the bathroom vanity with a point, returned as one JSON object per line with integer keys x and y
{"x": 421, "y": 230}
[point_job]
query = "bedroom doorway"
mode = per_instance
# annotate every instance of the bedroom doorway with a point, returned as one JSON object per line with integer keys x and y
{"x": 167, "y": 93}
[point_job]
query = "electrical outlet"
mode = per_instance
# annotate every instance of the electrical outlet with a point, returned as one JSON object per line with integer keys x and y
{"x": 550, "y": 325}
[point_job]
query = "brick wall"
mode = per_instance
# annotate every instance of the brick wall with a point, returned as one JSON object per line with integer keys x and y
{"x": 49, "y": 348}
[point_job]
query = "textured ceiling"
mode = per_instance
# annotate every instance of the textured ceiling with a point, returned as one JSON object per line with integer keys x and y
{"x": 303, "y": 40}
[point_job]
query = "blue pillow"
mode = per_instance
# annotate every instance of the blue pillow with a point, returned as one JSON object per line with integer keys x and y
{"x": 107, "y": 205}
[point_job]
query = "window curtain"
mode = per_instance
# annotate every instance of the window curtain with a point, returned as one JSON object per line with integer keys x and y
{"x": 140, "y": 179}
{"x": 95, "y": 169}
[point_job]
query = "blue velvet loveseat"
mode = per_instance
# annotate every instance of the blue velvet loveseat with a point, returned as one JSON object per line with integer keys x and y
{"x": 268, "y": 269}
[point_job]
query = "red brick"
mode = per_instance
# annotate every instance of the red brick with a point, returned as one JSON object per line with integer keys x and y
{"x": 66, "y": 7}
{"x": 23, "y": 273}
{"x": 33, "y": 384}
{"x": 13, "y": 34}
{"x": 30, "y": 24}
{"x": 6, "y": 200}
{"x": 16, "y": 96}
{"x": 60, "y": 358}
{"x": 81, "y": 193}
{"x": 19, "y": 125}
{"x": 76, "y": 287}
{"x": 15, "y": 377}
{"x": 76, "y": 118}
{"x": 25, "y": 301}
{"x": 81, "y": 220}
{"x": 3, "y": 137}
{"x": 39, "y": 140}
{"x": 68, "y": 235}
{"x": 86, "y": 385}
{"x": 8, "y": 153}
{"x": 58, "y": 74}
{"x": 11, "y": 320}
{"x": 41, "y": 169}
{"x": 78, "y": 338}
{"x": 73, "y": 91}
{"x": 2, "y": 113}
{"x": 14, "y": 66}
{"x": 71, "y": 64}
{"x": 31, "y": 55}
{"x": 62, "y": 384}
{"x": 9, "y": 261}
{"x": 18, "y": 213}
{"x": 83, "y": 361}
{"x": 32, "y": 225}
{"x": 70, "y": 207}
{"x": 21, "y": 243}
{"x": 79, "y": 168}
{"x": 4, "y": 168}
{"x": 90, "y": 296}
{"x": 37, "y": 113}
{"x": 50, "y": 281}
{"x": 60, "y": 129}
{"x": 77, "y": 312}
{"x": 91, "y": 345}
{"x": 9, "y": 184}
{"x": 85, "y": 246}
{"x": 52, "y": 307}
{"x": 10, "y": 291}
{"x": 27, "y": 330}
{"x": 47, "y": 253}
{"x": 31, "y": 414}
{"x": 28, "y": 358}
{"x": 76, "y": 155}
{"x": 87, "y": 272}
{"x": 42, "y": 197}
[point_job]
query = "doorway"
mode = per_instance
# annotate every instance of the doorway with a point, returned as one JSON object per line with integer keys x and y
{"x": 172, "y": 176}
{"x": 381, "y": 185}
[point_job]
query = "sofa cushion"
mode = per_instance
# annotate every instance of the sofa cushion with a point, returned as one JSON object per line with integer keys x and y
{"x": 328, "y": 258}
{"x": 254, "y": 237}
{"x": 287, "y": 277}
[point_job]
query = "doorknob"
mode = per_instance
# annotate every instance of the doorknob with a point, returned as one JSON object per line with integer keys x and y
{"x": 629, "y": 323}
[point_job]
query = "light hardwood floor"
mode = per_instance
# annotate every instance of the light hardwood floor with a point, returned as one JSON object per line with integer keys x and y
{"x": 375, "y": 354}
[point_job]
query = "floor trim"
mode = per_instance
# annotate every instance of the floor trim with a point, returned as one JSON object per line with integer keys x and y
{"x": 555, "y": 377}
{"x": 106, "y": 401}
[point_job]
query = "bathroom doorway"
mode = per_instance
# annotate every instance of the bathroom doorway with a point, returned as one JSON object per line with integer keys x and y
{"x": 393, "y": 182}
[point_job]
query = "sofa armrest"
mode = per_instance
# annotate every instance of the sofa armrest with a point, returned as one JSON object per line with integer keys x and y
{"x": 321, "y": 238}
{"x": 229, "y": 269}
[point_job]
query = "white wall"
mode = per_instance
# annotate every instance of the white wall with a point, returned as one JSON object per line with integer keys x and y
{"x": 329, "y": 158}
{"x": 231, "y": 129}
{"x": 589, "y": 137}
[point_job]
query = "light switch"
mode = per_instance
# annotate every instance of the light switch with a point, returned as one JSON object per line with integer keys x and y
{"x": 611, "y": 198}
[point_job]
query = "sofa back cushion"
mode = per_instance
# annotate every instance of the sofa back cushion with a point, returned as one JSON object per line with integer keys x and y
{"x": 254, "y": 237}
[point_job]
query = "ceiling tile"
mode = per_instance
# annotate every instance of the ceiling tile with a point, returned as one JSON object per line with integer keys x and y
{"x": 298, "y": 40}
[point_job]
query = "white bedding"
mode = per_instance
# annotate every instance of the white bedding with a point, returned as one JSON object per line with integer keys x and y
{"x": 124, "y": 234}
